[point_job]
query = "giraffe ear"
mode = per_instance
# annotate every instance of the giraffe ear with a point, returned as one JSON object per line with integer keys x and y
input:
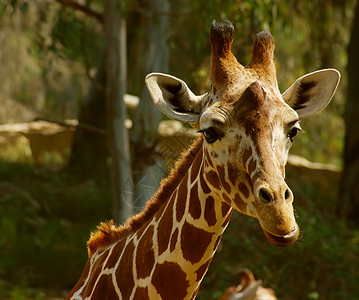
{"x": 312, "y": 92}
{"x": 173, "y": 97}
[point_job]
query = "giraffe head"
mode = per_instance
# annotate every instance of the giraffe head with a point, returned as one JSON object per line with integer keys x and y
{"x": 248, "y": 127}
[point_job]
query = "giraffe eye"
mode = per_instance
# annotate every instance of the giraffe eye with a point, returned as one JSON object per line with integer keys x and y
{"x": 293, "y": 132}
{"x": 211, "y": 134}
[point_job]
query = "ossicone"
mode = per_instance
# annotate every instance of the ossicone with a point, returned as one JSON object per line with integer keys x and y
{"x": 223, "y": 63}
{"x": 221, "y": 37}
{"x": 263, "y": 54}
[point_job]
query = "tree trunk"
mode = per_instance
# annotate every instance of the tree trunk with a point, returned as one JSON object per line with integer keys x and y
{"x": 89, "y": 151}
{"x": 349, "y": 189}
{"x": 144, "y": 134}
{"x": 115, "y": 37}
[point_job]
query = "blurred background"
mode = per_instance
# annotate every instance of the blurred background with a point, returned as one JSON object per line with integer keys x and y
{"x": 81, "y": 141}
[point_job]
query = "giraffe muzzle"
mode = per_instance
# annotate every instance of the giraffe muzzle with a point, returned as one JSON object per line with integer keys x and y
{"x": 283, "y": 241}
{"x": 276, "y": 216}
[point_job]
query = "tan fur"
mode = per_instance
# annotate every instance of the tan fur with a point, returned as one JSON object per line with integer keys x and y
{"x": 108, "y": 233}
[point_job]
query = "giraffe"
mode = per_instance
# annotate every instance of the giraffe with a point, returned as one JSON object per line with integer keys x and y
{"x": 247, "y": 127}
{"x": 248, "y": 289}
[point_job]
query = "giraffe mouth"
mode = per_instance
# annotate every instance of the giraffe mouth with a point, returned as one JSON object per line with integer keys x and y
{"x": 283, "y": 241}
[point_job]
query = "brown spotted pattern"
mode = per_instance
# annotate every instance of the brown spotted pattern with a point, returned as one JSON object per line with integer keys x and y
{"x": 145, "y": 259}
{"x": 124, "y": 275}
{"x": 202, "y": 270}
{"x": 194, "y": 203}
{"x": 141, "y": 293}
{"x": 210, "y": 212}
{"x": 170, "y": 281}
{"x": 179, "y": 241}
{"x": 181, "y": 199}
{"x": 194, "y": 242}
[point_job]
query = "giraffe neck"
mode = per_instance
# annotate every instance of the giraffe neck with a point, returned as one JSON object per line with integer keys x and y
{"x": 168, "y": 256}
{"x": 188, "y": 232}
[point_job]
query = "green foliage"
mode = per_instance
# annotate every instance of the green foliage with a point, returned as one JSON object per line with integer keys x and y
{"x": 47, "y": 52}
{"x": 54, "y": 48}
{"x": 45, "y": 220}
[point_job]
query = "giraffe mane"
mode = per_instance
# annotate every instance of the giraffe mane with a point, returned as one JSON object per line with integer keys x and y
{"x": 108, "y": 233}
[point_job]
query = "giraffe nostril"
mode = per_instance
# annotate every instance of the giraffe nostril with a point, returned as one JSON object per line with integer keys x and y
{"x": 265, "y": 195}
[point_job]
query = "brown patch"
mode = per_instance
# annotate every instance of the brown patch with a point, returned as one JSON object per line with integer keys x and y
{"x": 242, "y": 207}
{"x": 194, "y": 203}
{"x": 161, "y": 211}
{"x": 181, "y": 199}
{"x": 195, "y": 294}
{"x": 213, "y": 179}
{"x": 141, "y": 293}
{"x": 214, "y": 154}
{"x": 225, "y": 208}
{"x": 209, "y": 211}
{"x": 202, "y": 270}
{"x": 104, "y": 288}
{"x": 232, "y": 173}
{"x": 124, "y": 273}
{"x": 247, "y": 154}
{"x": 196, "y": 165}
{"x": 204, "y": 185}
{"x": 226, "y": 199}
{"x": 208, "y": 159}
{"x": 95, "y": 273}
{"x": 164, "y": 230}
{"x": 145, "y": 256}
{"x": 87, "y": 290}
{"x": 174, "y": 238}
{"x": 140, "y": 232}
{"x": 225, "y": 223}
{"x": 194, "y": 242}
{"x": 116, "y": 252}
{"x": 217, "y": 243}
{"x": 170, "y": 281}
{"x": 243, "y": 189}
{"x": 222, "y": 177}
{"x": 108, "y": 233}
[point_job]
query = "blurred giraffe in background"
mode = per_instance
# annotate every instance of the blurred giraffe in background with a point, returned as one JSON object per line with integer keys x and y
{"x": 248, "y": 289}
